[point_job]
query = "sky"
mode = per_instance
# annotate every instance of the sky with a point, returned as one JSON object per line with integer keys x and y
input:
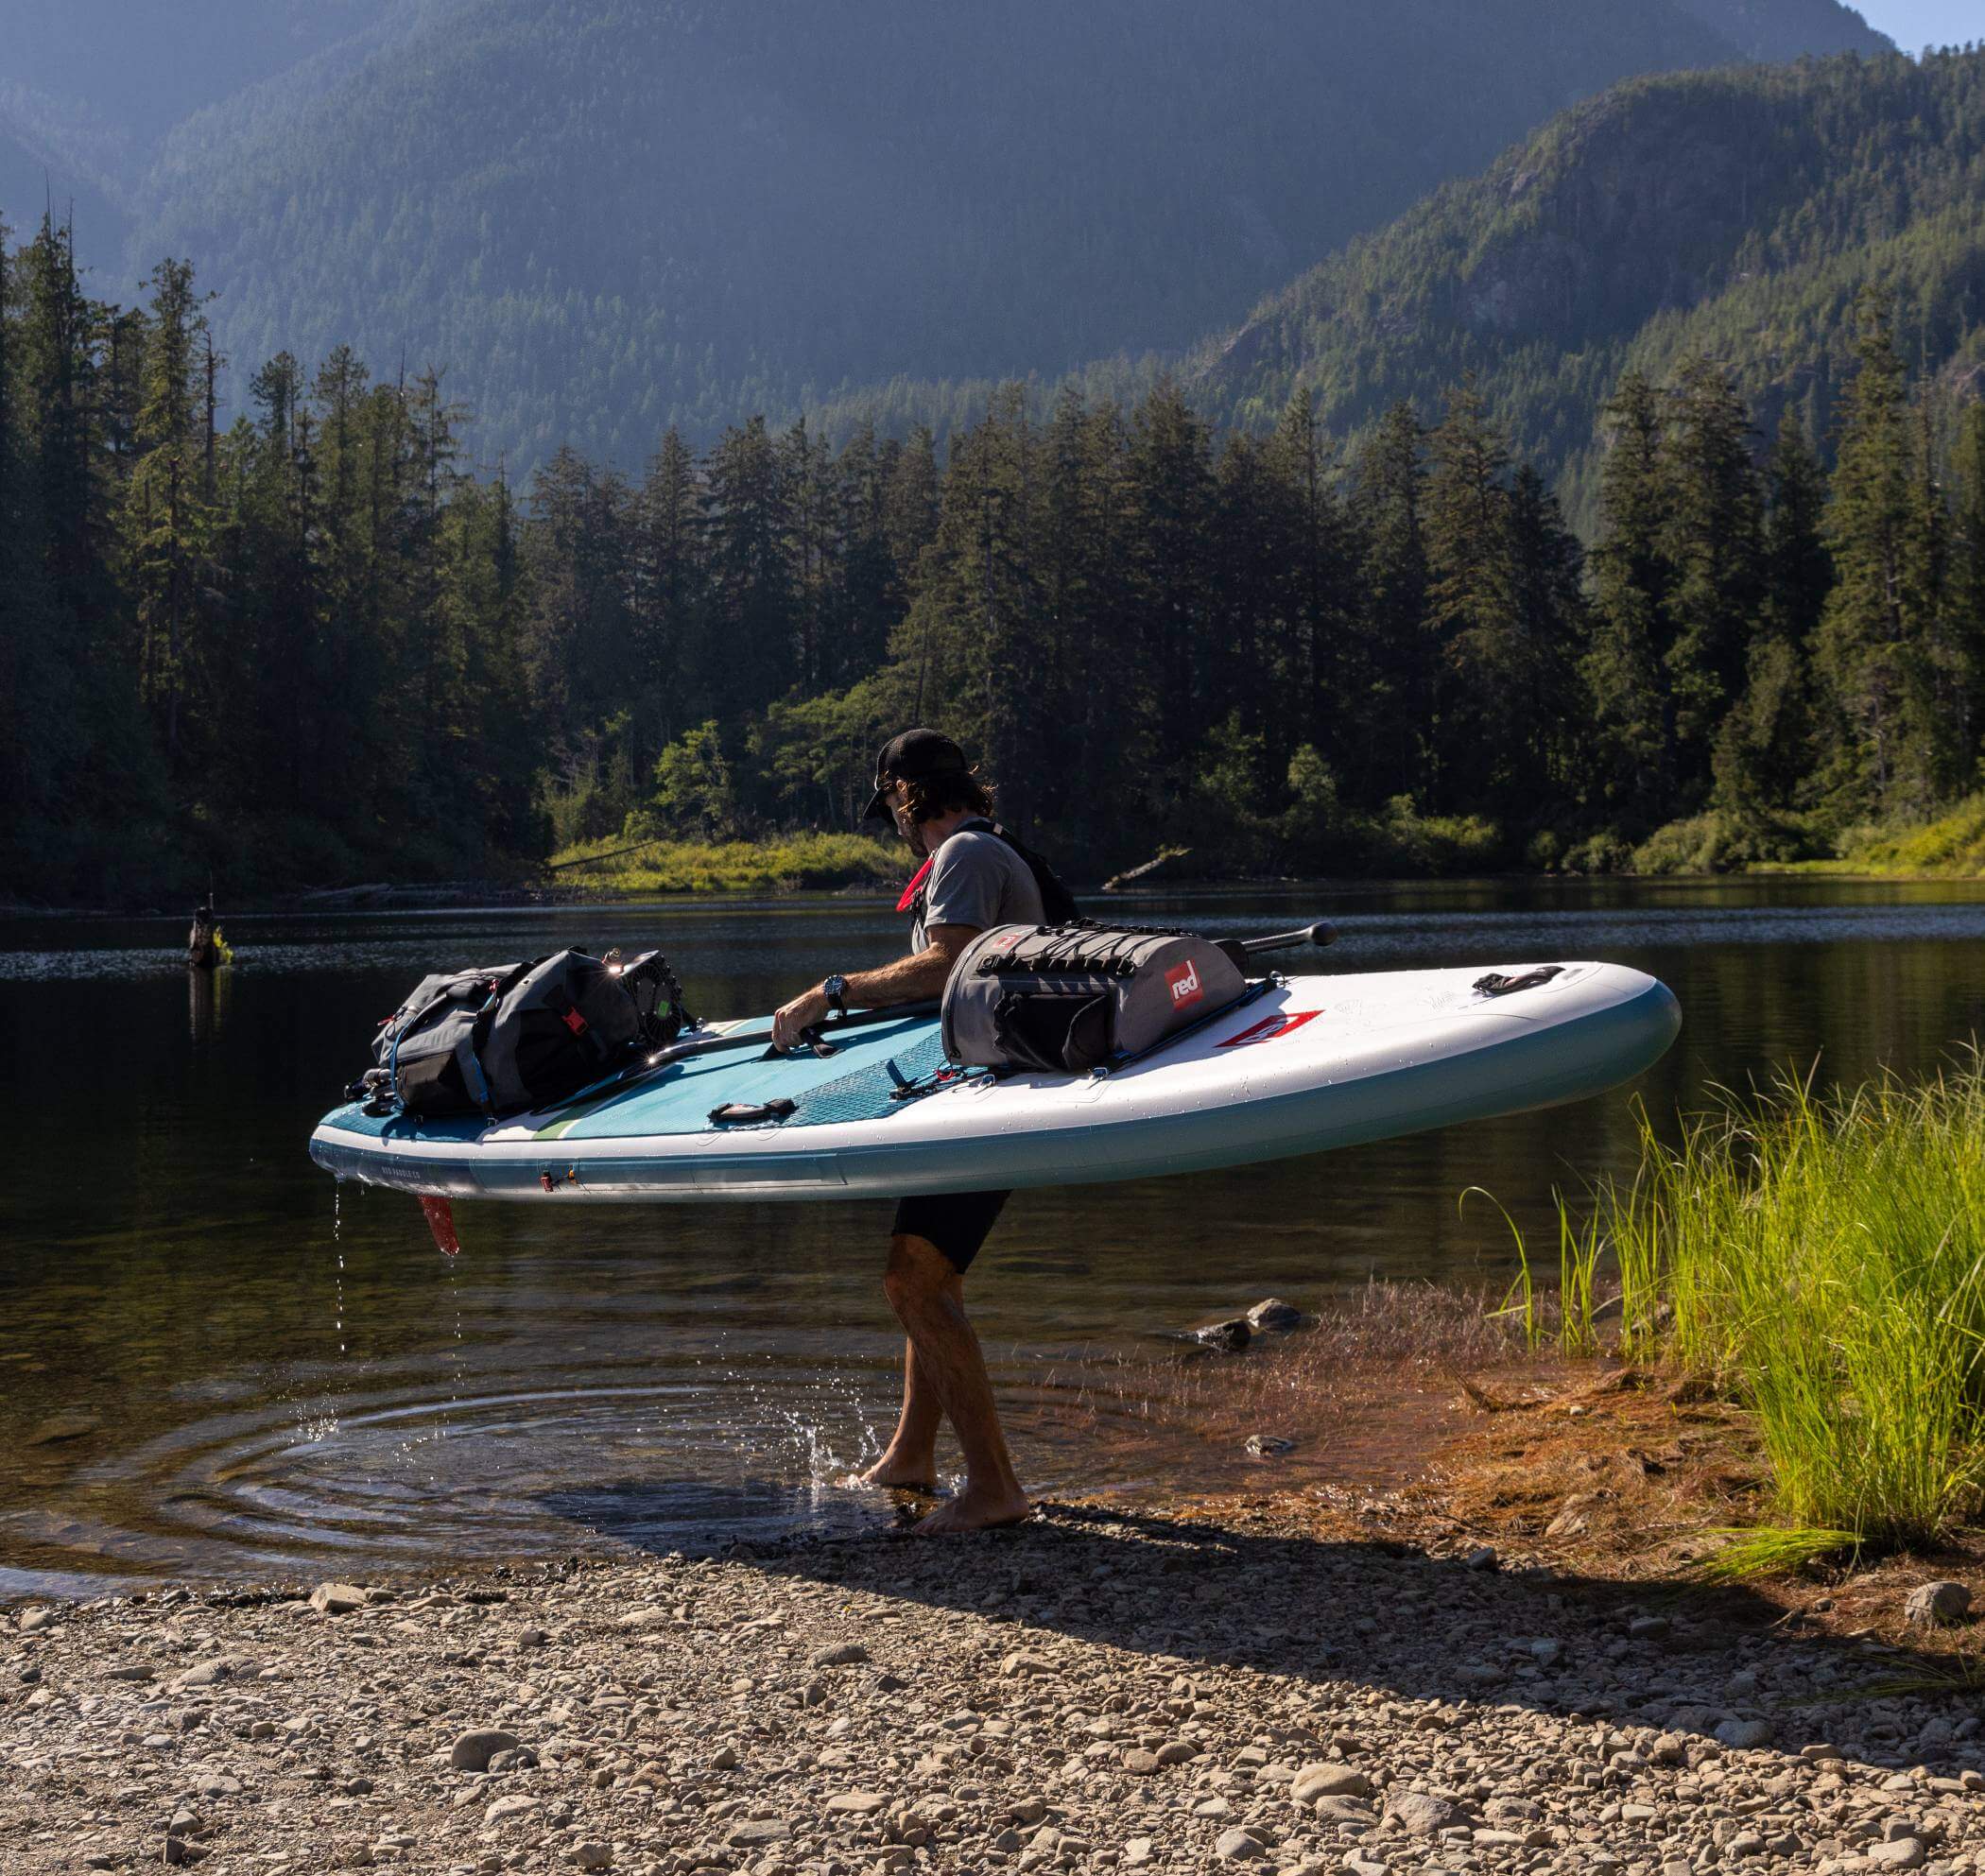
{"x": 1914, "y": 24}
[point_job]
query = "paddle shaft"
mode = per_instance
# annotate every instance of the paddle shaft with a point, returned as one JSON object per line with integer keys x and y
{"x": 1319, "y": 934}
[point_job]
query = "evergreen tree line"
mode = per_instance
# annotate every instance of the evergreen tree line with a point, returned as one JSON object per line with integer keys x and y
{"x": 313, "y": 645}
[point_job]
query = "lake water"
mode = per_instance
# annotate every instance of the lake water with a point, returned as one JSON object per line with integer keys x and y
{"x": 214, "y": 1362}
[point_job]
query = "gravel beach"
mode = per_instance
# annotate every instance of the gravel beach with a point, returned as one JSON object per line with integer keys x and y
{"x": 1097, "y": 1689}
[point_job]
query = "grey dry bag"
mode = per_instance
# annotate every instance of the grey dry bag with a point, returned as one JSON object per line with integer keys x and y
{"x": 1070, "y": 998}
{"x": 512, "y": 1037}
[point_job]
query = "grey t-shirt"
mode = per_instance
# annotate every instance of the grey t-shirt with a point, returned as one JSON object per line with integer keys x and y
{"x": 977, "y": 880}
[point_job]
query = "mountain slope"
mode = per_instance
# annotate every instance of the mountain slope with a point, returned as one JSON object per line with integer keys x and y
{"x": 1778, "y": 30}
{"x": 1735, "y": 211}
{"x": 605, "y": 216}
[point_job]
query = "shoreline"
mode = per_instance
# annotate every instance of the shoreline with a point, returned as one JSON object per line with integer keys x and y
{"x": 527, "y": 896}
{"x": 1500, "y": 1663}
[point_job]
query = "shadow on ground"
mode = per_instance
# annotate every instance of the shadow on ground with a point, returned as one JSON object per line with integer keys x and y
{"x": 1373, "y": 1612}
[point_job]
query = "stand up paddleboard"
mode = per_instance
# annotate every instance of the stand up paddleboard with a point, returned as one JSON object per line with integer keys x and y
{"x": 1304, "y": 1063}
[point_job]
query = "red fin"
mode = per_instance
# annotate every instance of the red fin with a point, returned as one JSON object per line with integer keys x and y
{"x": 440, "y": 1221}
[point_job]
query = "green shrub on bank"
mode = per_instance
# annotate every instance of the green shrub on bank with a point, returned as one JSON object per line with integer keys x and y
{"x": 1827, "y": 1256}
{"x": 1721, "y": 842}
{"x": 789, "y": 863}
{"x": 1953, "y": 846}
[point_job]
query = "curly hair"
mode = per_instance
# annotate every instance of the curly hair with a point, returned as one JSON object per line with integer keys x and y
{"x": 937, "y": 795}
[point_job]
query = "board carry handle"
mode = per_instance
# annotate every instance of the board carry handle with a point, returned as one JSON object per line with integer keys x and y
{"x": 1319, "y": 934}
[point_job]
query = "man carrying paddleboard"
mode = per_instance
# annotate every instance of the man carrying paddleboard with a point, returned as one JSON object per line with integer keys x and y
{"x": 973, "y": 875}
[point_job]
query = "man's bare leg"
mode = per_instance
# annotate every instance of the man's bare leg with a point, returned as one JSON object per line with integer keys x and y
{"x": 928, "y": 1296}
{"x": 910, "y": 1459}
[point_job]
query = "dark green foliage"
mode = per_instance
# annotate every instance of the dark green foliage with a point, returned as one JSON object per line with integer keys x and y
{"x": 313, "y": 645}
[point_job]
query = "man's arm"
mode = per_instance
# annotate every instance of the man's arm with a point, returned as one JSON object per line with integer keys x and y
{"x": 913, "y": 979}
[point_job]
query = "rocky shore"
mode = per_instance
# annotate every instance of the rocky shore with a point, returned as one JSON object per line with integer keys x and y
{"x": 1094, "y": 1690}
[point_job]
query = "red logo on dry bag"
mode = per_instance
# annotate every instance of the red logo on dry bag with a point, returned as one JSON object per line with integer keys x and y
{"x": 1270, "y": 1028}
{"x": 1186, "y": 986}
{"x": 574, "y": 1022}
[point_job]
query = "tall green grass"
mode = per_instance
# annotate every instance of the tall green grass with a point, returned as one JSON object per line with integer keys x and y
{"x": 1826, "y": 1256}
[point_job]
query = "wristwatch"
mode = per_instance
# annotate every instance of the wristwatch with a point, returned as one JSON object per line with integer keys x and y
{"x": 834, "y": 989}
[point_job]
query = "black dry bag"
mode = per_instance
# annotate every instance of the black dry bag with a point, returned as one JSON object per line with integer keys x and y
{"x": 509, "y": 1037}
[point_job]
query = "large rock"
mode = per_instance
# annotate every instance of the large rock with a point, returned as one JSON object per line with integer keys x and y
{"x": 857, "y": 1803}
{"x": 1899, "y": 1853}
{"x": 337, "y": 1598}
{"x": 841, "y": 1653}
{"x": 1744, "y": 1735}
{"x": 1936, "y": 1605}
{"x": 1272, "y": 1313}
{"x": 1233, "y": 1336}
{"x": 1420, "y": 1814}
{"x": 1322, "y": 1781}
{"x": 473, "y": 1751}
{"x": 1237, "y": 1846}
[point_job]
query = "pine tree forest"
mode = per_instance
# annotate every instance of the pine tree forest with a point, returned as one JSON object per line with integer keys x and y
{"x": 320, "y": 645}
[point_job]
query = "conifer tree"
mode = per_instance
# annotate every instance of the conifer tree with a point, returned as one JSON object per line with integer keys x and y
{"x": 1714, "y": 545}
{"x": 1479, "y": 663}
{"x": 1798, "y": 571}
{"x": 1626, "y": 667}
{"x": 166, "y": 519}
{"x": 1396, "y": 644}
{"x": 1967, "y": 594}
{"x": 1873, "y": 669}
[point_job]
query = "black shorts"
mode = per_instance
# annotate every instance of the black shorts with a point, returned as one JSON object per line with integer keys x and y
{"x": 956, "y": 1222}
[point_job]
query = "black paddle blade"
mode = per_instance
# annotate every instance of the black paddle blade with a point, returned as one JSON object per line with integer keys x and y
{"x": 1319, "y": 934}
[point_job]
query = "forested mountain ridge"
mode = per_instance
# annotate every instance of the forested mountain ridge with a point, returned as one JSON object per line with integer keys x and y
{"x": 602, "y": 216}
{"x": 1777, "y": 30}
{"x": 1734, "y": 212}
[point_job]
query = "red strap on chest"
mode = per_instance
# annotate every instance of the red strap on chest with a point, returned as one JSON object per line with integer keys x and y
{"x": 916, "y": 886}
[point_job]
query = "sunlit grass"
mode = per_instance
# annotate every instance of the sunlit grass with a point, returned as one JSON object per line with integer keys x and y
{"x": 786, "y": 863}
{"x": 1826, "y": 1256}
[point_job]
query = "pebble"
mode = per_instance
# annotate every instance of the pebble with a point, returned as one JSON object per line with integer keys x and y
{"x": 1744, "y": 1735}
{"x": 841, "y": 1653}
{"x": 857, "y": 1803}
{"x": 1179, "y": 1696}
{"x": 60, "y": 1427}
{"x": 1482, "y": 1558}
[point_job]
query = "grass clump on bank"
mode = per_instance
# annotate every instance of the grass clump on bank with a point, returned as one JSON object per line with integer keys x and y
{"x": 1951, "y": 847}
{"x": 791, "y": 862}
{"x": 1825, "y": 1256}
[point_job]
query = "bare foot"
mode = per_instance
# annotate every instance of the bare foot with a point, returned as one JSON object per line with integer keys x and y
{"x": 900, "y": 1474}
{"x": 976, "y": 1508}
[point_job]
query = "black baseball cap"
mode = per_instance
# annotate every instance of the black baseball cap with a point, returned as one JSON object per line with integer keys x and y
{"x": 917, "y": 755}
